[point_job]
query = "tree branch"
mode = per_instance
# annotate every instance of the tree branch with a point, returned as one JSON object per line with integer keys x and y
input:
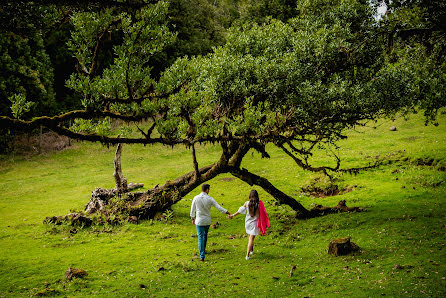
{"x": 306, "y": 166}
{"x": 50, "y": 122}
{"x": 55, "y": 121}
{"x": 98, "y": 42}
{"x": 112, "y": 140}
{"x": 194, "y": 157}
{"x": 253, "y": 179}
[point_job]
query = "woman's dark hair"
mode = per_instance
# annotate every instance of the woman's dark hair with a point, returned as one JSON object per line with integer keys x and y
{"x": 253, "y": 202}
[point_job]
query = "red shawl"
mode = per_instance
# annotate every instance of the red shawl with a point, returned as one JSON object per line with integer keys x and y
{"x": 263, "y": 222}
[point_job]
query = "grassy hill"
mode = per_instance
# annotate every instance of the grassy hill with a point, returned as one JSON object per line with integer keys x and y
{"x": 401, "y": 234}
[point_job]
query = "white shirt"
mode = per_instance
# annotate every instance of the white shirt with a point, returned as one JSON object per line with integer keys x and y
{"x": 250, "y": 222}
{"x": 201, "y": 205}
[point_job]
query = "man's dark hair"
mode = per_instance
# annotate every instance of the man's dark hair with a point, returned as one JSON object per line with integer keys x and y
{"x": 205, "y": 187}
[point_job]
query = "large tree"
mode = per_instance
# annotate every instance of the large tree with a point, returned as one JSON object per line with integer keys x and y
{"x": 297, "y": 85}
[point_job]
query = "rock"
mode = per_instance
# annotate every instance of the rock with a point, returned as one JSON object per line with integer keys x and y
{"x": 393, "y": 128}
{"x": 74, "y": 272}
{"x": 342, "y": 246}
{"x": 292, "y": 270}
{"x": 133, "y": 219}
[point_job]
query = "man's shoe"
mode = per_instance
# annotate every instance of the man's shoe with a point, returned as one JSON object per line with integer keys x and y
{"x": 202, "y": 260}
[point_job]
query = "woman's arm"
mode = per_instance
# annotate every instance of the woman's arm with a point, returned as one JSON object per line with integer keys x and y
{"x": 231, "y": 216}
{"x": 240, "y": 210}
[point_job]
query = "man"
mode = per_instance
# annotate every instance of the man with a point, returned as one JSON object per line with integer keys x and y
{"x": 201, "y": 207}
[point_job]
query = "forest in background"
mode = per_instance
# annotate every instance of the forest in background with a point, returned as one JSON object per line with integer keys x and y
{"x": 36, "y": 60}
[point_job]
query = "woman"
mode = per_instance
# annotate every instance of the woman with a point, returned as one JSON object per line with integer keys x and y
{"x": 256, "y": 219}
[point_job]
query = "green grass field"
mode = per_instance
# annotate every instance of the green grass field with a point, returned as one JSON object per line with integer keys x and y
{"x": 404, "y": 224}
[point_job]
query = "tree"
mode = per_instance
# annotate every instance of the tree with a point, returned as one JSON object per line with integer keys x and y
{"x": 259, "y": 10}
{"x": 25, "y": 67}
{"x": 200, "y": 25}
{"x": 296, "y": 85}
{"x": 416, "y": 37}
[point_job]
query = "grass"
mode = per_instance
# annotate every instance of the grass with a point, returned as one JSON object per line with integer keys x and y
{"x": 404, "y": 224}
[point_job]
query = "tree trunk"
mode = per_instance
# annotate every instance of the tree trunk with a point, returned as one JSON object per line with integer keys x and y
{"x": 147, "y": 204}
{"x": 100, "y": 196}
{"x": 120, "y": 180}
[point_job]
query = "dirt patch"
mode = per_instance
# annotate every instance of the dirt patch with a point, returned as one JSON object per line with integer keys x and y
{"x": 427, "y": 161}
{"x": 226, "y": 179}
{"x": 322, "y": 187}
{"x": 34, "y": 144}
{"x": 413, "y": 138}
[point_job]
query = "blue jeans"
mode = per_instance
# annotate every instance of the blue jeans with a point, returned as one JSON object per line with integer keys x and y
{"x": 202, "y": 232}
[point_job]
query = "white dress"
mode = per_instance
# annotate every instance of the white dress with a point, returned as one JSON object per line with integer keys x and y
{"x": 250, "y": 222}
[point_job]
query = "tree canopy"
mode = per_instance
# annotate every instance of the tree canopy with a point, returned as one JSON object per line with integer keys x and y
{"x": 296, "y": 83}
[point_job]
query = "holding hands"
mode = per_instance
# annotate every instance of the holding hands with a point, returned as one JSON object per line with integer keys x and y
{"x": 231, "y": 216}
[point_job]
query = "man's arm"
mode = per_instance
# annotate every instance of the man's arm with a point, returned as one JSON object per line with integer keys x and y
{"x": 192, "y": 211}
{"x": 219, "y": 208}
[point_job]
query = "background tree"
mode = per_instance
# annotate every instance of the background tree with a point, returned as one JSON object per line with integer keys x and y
{"x": 296, "y": 85}
{"x": 25, "y": 64}
{"x": 416, "y": 37}
{"x": 259, "y": 10}
{"x": 26, "y": 69}
{"x": 200, "y": 25}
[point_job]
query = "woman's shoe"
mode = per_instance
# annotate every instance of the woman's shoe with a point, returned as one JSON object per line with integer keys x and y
{"x": 247, "y": 258}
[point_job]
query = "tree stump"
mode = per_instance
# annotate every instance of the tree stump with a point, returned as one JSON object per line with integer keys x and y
{"x": 74, "y": 272}
{"x": 342, "y": 246}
